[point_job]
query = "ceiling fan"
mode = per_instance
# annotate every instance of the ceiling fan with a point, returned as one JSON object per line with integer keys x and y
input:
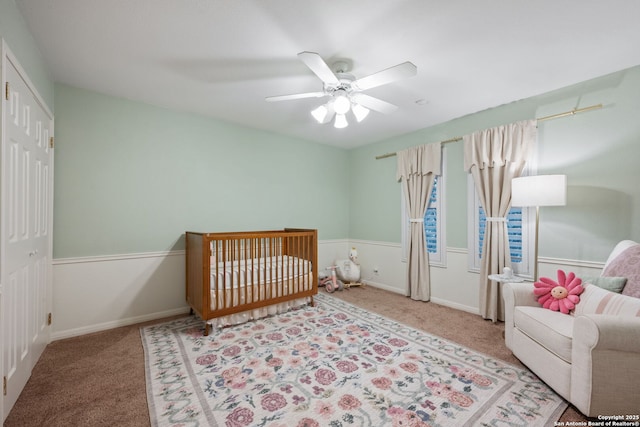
{"x": 346, "y": 91}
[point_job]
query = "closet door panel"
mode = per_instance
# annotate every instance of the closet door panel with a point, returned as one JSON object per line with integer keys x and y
{"x": 26, "y": 240}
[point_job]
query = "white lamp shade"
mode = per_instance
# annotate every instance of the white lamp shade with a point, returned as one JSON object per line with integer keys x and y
{"x": 324, "y": 113}
{"x": 320, "y": 114}
{"x": 540, "y": 190}
{"x": 341, "y": 121}
{"x": 360, "y": 112}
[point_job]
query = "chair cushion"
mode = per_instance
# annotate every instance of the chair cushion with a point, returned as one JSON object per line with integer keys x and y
{"x": 551, "y": 329}
{"x": 595, "y": 300}
{"x": 626, "y": 264}
{"x": 613, "y": 284}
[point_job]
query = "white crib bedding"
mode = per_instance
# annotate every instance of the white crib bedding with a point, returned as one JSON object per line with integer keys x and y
{"x": 245, "y": 281}
{"x": 258, "y": 313}
{"x": 256, "y": 271}
{"x": 241, "y": 295}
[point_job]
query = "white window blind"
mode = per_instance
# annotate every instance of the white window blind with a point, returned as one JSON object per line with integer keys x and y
{"x": 520, "y": 229}
{"x": 514, "y": 231}
{"x": 431, "y": 221}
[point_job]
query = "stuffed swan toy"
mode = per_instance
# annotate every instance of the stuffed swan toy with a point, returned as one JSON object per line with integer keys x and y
{"x": 348, "y": 270}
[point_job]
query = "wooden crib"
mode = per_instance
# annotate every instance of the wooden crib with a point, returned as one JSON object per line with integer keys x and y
{"x": 242, "y": 273}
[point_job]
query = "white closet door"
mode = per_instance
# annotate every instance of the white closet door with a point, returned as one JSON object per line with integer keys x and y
{"x": 27, "y": 178}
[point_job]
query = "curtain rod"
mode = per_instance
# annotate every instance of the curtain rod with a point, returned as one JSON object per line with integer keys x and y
{"x": 541, "y": 119}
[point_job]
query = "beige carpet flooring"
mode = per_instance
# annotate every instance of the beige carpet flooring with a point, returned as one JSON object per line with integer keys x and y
{"x": 98, "y": 379}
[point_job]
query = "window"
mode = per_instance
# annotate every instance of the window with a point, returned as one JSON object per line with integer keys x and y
{"x": 434, "y": 223}
{"x": 520, "y": 228}
{"x": 431, "y": 221}
{"x": 514, "y": 230}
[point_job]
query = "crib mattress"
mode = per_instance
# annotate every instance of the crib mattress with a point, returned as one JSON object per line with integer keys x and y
{"x": 250, "y": 280}
{"x": 256, "y": 271}
{"x": 246, "y": 294}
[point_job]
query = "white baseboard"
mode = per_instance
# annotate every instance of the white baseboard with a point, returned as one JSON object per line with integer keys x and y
{"x": 69, "y": 333}
{"x": 435, "y": 300}
{"x": 383, "y": 286}
{"x": 450, "y": 304}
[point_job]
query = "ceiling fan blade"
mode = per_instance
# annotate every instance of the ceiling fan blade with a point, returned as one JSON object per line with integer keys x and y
{"x": 295, "y": 96}
{"x": 374, "y": 104}
{"x": 319, "y": 67}
{"x": 392, "y": 74}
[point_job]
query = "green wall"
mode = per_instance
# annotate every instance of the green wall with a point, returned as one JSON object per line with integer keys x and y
{"x": 130, "y": 177}
{"x": 598, "y": 151}
{"x": 15, "y": 33}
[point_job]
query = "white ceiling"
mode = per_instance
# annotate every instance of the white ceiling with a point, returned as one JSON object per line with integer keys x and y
{"x": 221, "y": 58}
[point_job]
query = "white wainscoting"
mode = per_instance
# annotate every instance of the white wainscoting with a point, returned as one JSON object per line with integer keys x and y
{"x": 331, "y": 250}
{"x": 381, "y": 265}
{"x": 98, "y": 293}
{"x": 92, "y": 294}
{"x": 453, "y": 286}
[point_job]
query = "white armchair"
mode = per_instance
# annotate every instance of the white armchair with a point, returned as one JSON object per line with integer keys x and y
{"x": 591, "y": 357}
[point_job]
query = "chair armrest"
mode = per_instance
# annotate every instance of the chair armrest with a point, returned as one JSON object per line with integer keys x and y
{"x": 520, "y": 293}
{"x": 605, "y": 364}
{"x": 607, "y": 332}
{"x": 515, "y": 294}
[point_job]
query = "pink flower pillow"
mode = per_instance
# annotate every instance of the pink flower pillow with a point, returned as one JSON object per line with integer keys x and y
{"x": 561, "y": 295}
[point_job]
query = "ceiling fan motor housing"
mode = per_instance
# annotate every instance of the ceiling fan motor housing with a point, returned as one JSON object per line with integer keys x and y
{"x": 345, "y": 83}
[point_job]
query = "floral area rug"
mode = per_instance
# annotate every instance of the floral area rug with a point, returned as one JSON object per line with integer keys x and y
{"x": 332, "y": 365}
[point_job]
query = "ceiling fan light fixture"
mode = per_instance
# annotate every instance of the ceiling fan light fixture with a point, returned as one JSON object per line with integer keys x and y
{"x": 341, "y": 121}
{"x": 360, "y": 112}
{"x": 320, "y": 114}
{"x": 341, "y": 102}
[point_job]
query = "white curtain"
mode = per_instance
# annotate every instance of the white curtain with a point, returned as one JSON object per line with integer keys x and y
{"x": 417, "y": 169}
{"x": 494, "y": 157}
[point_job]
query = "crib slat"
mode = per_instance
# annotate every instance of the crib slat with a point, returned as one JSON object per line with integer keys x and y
{"x": 225, "y": 260}
{"x": 248, "y": 271}
{"x": 220, "y": 258}
{"x": 249, "y": 281}
{"x": 235, "y": 279}
{"x": 242, "y": 263}
{"x": 299, "y": 266}
{"x": 293, "y": 265}
{"x": 274, "y": 270}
